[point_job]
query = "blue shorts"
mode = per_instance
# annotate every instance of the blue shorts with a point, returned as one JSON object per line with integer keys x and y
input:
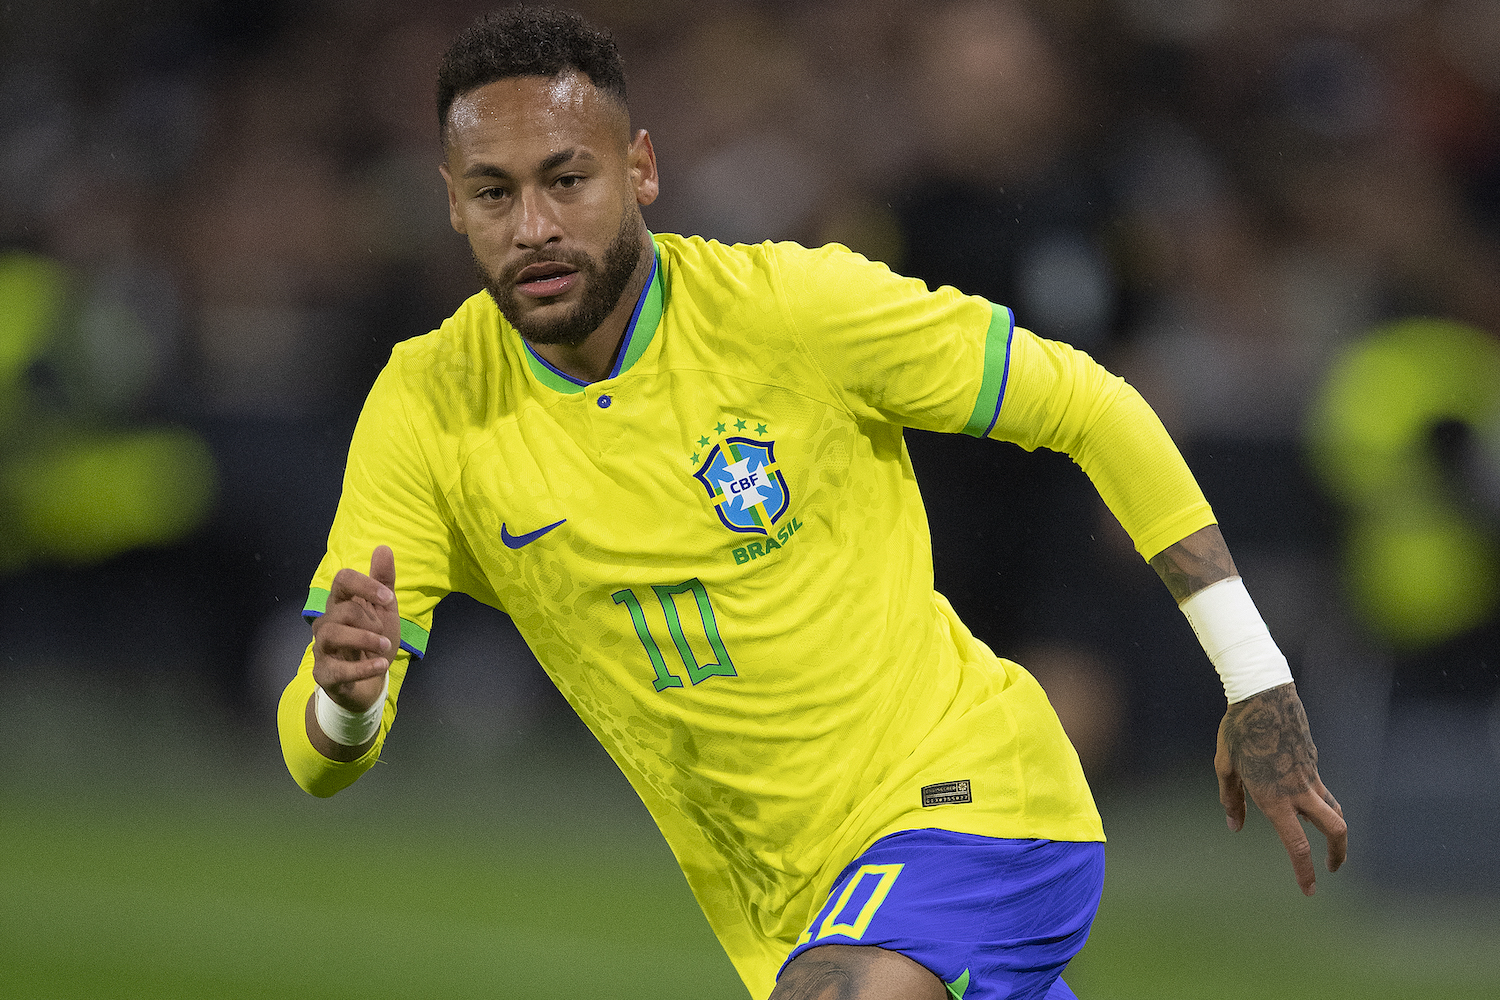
{"x": 991, "y": 918}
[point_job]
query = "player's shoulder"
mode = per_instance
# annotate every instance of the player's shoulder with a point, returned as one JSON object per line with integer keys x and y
{"x": 476, "y": 322}
{"x": 755, "y": 280}
{"x": 696, "y": 256}
{"x": 452, "y": 366}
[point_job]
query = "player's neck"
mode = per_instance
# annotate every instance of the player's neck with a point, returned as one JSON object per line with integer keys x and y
{"x": 592, "y": 360}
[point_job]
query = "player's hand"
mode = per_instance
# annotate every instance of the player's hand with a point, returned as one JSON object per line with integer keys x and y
{"x": 1265, "y": 748}
{"x": 358, "y": 634}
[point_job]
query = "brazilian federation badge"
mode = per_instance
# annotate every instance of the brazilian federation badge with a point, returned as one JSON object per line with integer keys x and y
{"x": 746, "y": 486}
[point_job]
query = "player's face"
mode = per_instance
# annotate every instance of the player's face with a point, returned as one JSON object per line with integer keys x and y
{"x": 545, "y": 181}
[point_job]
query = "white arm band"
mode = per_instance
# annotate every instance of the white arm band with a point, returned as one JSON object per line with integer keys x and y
{"x": 1236, "y": 639}
{"x": 348, "y": 728}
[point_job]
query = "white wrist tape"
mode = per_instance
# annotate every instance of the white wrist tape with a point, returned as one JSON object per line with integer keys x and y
{"x": 348, "y": 728}
{"x": 1236, "y": 639}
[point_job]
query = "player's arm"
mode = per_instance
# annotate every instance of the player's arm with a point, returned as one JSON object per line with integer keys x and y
{"x": 895, "y": 351}
{"x": 336, "y": 712}
{"x": 353, "y": 647}
{"x": 332, "y": 717}
{"x": 1264, "y": 744}
{"x": 1059, "y": 398}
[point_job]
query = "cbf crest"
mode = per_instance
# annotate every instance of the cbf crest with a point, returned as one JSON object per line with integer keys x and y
{"x": 747, "y": 488}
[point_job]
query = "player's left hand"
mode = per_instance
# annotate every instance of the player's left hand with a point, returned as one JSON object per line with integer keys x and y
{"x": 1265, "y": 748}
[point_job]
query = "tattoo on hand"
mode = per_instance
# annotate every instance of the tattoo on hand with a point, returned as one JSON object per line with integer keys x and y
{"x": 1269, "y": 742}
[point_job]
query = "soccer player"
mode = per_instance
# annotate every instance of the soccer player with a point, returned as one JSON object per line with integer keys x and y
{"x": 679, "y": 467}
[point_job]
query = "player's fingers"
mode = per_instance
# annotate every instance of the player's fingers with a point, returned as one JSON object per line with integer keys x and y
{"x": 333, "y": 675}
{"x": 1327, "y": 796}
{"x": 1284, "y": 818}
{"x": 357, "y": 613}
{"x": 383, "y": 569}
{"x": 1231, "y": 796}
{"x": 342, "y": 641}
{"x": 1330, "y": 822}
{"x": 349, "y": 584}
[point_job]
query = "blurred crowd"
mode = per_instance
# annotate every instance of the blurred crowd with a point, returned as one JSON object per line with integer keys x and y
{"x": 1279, "y": 220}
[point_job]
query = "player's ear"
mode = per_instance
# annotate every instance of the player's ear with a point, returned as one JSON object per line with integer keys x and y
{"x": 455, "y": 219}
{"x": 642, "y": 159}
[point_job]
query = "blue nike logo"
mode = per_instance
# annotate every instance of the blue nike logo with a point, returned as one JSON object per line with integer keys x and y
{"x": 516, "y": 541}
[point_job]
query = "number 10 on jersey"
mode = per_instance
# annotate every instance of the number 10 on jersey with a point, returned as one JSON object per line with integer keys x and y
{"x": 667, "y": 597}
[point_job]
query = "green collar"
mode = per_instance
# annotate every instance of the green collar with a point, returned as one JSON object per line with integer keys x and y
{"x": 638, "y": 334}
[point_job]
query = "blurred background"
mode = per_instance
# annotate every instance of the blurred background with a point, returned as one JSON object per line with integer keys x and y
{"x": 1279, "y": 220}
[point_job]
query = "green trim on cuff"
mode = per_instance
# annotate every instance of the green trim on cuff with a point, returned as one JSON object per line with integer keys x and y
{"x": 317, "y": 603}
{"x": 413, "y": 636}
{"x": 996, "y": 372}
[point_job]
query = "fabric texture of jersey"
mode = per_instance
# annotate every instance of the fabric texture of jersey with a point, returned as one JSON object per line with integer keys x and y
{"x": 735, "y": 589}
{"x": 993, "y": 919}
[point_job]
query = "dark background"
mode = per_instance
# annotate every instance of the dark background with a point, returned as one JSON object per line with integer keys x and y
{"x": 1218, "y": 200}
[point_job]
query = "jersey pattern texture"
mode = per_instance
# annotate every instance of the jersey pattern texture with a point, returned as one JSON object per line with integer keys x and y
{"x": 721, "y": 558}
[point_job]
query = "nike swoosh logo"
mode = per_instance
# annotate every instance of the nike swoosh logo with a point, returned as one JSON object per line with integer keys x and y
{"x": 516, "y": 541}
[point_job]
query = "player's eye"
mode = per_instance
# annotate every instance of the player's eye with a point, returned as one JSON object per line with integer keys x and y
{"x": 568, "y": 181}
{"x": 491, "y": 194}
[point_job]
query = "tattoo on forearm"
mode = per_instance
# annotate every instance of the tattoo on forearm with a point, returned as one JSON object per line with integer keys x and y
{"x": 1269, "y": 742}
{"x": 1195, "y": 562}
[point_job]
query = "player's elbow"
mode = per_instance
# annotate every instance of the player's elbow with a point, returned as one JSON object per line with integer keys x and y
{"x": 313, "y": 772}
{"x": 317, "y": 784}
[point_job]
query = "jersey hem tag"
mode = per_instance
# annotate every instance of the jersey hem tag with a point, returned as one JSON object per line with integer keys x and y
{"x": 946, "y": 793}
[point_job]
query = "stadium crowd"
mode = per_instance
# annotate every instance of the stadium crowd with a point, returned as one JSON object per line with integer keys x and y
{"x": 236, "y": 211}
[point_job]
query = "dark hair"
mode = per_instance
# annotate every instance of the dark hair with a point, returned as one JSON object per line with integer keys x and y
{"x": 527, "y": 41}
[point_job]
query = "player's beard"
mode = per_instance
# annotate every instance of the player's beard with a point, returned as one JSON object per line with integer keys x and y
{"x": 604, "y": 281}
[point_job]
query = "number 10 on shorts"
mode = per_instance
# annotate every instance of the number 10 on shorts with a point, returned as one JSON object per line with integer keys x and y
{"x": 885, "y": 876}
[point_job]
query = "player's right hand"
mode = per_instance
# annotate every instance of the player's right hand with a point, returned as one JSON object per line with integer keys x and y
{"x": 358, "y": 634}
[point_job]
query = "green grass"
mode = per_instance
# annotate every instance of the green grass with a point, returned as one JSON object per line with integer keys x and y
{"x": 143, "y": 858}
{"x": 142, "y": 864}
{"x": 234, "y": 898}
{"x": 166, "y": 901}
{"x": 1191, "y": 910}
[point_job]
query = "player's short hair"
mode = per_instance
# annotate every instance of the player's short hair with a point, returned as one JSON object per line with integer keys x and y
{"x": 527, "y": 41}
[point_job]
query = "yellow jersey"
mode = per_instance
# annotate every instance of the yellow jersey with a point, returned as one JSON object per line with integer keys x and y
{"x": 720, "y": 556}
